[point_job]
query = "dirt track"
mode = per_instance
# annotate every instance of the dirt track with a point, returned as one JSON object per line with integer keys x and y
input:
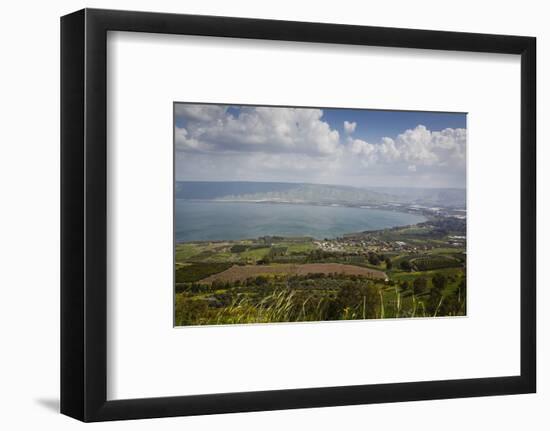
{"x": 243, "y": 272}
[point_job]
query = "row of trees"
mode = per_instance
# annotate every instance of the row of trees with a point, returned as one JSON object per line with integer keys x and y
{"x": 377, "y": 259}
{"x": 438, "y": 302}
{"x": 419, "y": 286}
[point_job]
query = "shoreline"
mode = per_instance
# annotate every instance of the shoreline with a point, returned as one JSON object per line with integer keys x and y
{"x": 410, "y": 208}
{"x": 425, "y": 212}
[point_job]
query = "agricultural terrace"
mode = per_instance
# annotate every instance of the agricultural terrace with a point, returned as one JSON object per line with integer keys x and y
{"x": 412, "y": 271}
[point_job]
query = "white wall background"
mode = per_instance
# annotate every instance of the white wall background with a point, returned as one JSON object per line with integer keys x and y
{"x": 29, "y": 216}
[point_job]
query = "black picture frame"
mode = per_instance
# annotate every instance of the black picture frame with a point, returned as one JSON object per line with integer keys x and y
{"x": 84, "y": 214}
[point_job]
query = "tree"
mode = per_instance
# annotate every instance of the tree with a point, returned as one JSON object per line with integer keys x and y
{"x": 354, "y": 300}
{"x": 439, "y": 282}
{"x": 420, "y": 285}
{"x": 461, "y": 295}
{"x": 405, "y": 265}
{"x": 405, "y": 285}
{"x": 389, "y": 264}
{"x": 266, "y": 260}
{"x": 374, "y": 259}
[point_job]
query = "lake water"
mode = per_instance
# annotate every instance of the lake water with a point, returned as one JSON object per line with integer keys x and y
{"x": 211, "y": 221}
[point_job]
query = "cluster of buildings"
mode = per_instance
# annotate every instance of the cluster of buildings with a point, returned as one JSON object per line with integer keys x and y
{"x": 437, "y": 211}
{"x": 367, "y": 244}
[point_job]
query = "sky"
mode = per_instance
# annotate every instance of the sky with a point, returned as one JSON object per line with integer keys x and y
{"x": 355, "y": 147}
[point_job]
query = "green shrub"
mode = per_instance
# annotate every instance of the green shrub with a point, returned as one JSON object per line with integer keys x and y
{"x": 190, "y": 311}
{"x": 198, "y": 271}
{"x": 239, "y": 248}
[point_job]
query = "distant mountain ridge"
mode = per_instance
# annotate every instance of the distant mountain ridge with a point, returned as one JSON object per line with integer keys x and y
{"x": 243, "y": 191}
{"x": 427, "y": 196}
{"x": 208, "y": 190}
{"x": 307, "y": 193}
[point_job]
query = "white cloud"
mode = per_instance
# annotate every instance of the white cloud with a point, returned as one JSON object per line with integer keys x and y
{"x": 184, "y": 142}
{"x": 262, "y": 129}
{"x": 202, "y": 113}
{"x": 418, "y": 147}
{"x": 350, "y": 127}
{"x": 364, "y": 150}
{"x": 388, "y": 150}
{"x": 296, "y": 144}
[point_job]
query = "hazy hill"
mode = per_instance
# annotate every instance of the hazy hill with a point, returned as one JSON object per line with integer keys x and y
{"x": 208, "y": 190}
{"x": 317, "y": 193}
{"x": 426, "y": 196}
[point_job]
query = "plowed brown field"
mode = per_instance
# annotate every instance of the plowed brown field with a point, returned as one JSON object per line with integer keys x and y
{"x": 241, "y": 273}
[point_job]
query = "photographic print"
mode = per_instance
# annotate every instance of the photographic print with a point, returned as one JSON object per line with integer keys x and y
{"x": 295, "y": 214}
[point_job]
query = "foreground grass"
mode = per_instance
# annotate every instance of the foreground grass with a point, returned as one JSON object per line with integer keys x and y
{"x": 314, "y": 297}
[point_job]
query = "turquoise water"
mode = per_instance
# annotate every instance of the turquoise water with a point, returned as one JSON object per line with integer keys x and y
{"x": 211, "y": 221}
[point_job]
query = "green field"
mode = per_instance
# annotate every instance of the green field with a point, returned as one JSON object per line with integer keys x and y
{"x": 275, "y": 279}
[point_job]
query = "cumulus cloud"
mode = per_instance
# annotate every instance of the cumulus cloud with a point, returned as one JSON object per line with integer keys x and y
{"x": 200, "y": 113}
{"x": 416, "y": 147}
{"x": 349, "y": 127}
{"x": 256, "y": 129}
{"x": 362, "y": 151}
{"x": 297, "y": 144}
